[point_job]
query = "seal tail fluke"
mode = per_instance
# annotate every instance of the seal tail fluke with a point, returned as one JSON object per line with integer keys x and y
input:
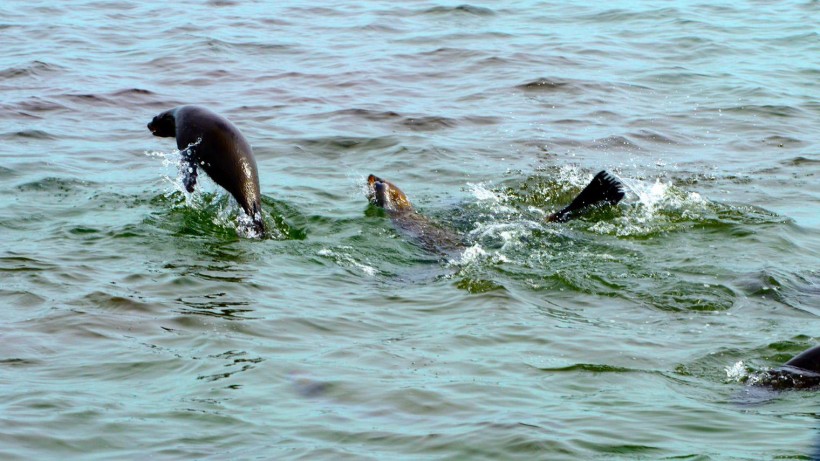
{"x": 603, "y": 189}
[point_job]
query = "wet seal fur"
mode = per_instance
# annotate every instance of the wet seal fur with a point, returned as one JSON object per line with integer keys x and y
{"x": 210, "y": 141}
{"x": 427, "y": 233}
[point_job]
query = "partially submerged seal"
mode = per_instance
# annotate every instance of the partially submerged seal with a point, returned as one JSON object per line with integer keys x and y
{"x": 801, "y": 372}
{"x": 208, "y": 140}
{"x": 603, "y": 189}
{"x": 431, "y": 236}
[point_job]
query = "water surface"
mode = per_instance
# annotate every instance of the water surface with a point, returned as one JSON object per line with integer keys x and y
{"x": 138, "y": 322}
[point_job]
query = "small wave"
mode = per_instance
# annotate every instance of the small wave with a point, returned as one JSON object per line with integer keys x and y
{"x": 590, "y": 368}
{"x": 549, "y": 85}
{"x": 37, "y": 105}
{"x": 461, "y": 9}
{"x": 62, "y": 186}
{"x": 574, "y": 87}
{"x": 415, "y": 123}
{"x": 111, "y": 302}
{"x": 366, "y": 114}
{"x": 620, "y": 15}
{"x": 430, "y": 123}
{"x": 767, "y": 110}
{"x": 7, "y": 172}
{"x": 783, "y": 141}
{"x": 35, "y": 69}
{"x": 136, "y": 97}
{"x": 798, "y": 290}
{"x": 350, "y": 142}
{"x": 615, "y": 142}
{"x": 653, "y": 136}
{"x": 800, "y": 161}
{"x": 96, "y": 100}
{"x": 28, "y": 134}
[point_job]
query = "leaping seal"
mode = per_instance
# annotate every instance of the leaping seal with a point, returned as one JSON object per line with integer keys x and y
{"x": 208, "y": 140}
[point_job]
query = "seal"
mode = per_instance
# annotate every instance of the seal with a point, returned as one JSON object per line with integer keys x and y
{"x": 602, "y": 190}
{"x": 430, "y": 236}
{"x": 210, "y": 141}
{"x": 801, "y": 372}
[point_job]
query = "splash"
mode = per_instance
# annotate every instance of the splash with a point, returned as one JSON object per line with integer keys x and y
{"x": 737, "y": 373}
{"x": 177, "y": 182}
{"x": 343, "y": 258}
{"x": 660, "y": 207}
{"x": 228, "y": 214}
{"x": 497, "y": 201}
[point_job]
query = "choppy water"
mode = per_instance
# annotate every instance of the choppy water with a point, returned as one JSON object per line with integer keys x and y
{"x": 136, "y": 323}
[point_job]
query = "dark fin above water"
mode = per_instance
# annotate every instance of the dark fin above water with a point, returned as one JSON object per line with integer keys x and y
{"x": 807, "y": 360}
{"x": 604, "y": 189}
{"x": 801, "y": 372}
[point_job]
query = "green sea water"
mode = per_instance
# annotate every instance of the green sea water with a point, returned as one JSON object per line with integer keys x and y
{"x": 139, "y": 322}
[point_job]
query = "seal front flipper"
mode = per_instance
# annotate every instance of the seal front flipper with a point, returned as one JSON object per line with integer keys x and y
{"x": 603, "y": 189}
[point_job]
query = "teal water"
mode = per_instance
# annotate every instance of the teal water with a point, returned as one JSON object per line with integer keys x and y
{"x": 137, "y": 322}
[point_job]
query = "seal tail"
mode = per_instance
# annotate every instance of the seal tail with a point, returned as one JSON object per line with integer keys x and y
{"x": 604, "y": 188}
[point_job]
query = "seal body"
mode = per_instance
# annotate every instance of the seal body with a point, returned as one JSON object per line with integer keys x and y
{"x": 211, "y": 142}
{"x": 801, "y": 372}
{"x": 429, "y": 235}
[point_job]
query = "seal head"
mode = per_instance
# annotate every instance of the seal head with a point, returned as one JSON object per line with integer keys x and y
{"x": 164, "y": 125}
{"x": 431, "y": 236}
{"x": 385, "y": 194}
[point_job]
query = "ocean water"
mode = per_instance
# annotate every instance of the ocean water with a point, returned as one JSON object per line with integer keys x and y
{"x": 138, "y": 322}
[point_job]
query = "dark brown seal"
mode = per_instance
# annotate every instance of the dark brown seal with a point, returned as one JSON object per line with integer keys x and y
{"x": 208, "y": 140}
{"x": 431, "y": 236}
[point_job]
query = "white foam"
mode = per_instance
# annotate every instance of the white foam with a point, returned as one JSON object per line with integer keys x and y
{"x": 346, "y": 260}
{"x": 737, "y": 372}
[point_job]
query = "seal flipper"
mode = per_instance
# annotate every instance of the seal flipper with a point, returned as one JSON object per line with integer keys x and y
{"x": 807, "y": 360}
{"x": 258, "y": 221}
{"x": 603, "y": 188}
{"x": 190, "y": 172}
